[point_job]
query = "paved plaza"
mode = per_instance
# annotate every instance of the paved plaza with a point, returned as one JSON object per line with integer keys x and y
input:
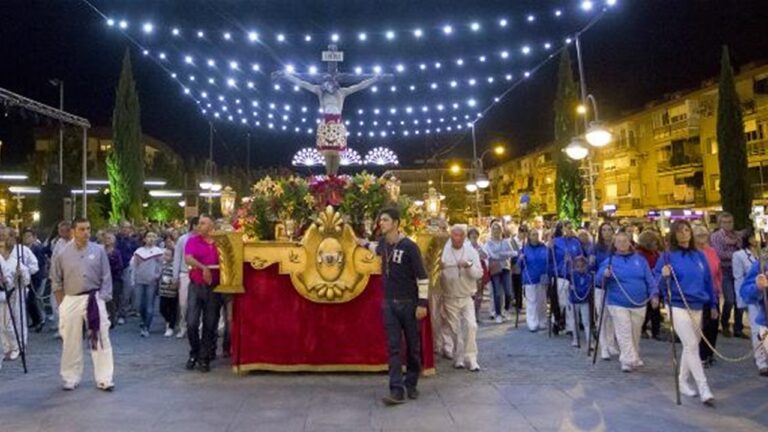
{"x": 528, "y": 383}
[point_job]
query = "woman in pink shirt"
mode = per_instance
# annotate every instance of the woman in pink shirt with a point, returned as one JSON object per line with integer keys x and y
{"x": 708, "y": 325}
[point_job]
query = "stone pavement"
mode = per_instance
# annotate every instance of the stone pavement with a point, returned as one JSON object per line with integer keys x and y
{"x": 528, "y": 383}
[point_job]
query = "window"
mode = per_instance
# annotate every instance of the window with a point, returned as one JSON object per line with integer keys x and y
{"x": 623, "y": 188}
{"x": 631, "y": 138}
{"x": 664, "y": 154}
{"x": 753, "y": 131}
{"x": 633, "y": 162}
{"x": 714, "y": 182}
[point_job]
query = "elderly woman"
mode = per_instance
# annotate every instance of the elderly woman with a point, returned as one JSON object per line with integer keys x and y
{"x": 533, "y": 266}
{"x": 743, "y": 262}
{"x": 686, "y": 271}
{"x": 629, "y": 285}
{"x": 648, "y": 247}
{"x": 499, "y": 253}
{"x": 709, "y": 326}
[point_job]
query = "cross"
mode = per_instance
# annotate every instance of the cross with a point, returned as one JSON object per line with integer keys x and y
{"x": 333, "y": 57}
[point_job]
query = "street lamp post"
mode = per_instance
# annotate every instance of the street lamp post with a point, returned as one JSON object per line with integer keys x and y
{"x": 60, "y": 84}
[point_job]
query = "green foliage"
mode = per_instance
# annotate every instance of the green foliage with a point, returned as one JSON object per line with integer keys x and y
{"x": 569, "y": 190}
{"x": 735, "y": 192}
{"x": 125, "y": 162}
{"x": 364, "y": 197}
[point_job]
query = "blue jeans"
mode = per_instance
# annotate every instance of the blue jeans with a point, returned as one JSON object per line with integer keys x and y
{"x": 147, "y": 294}
{"x": 400, "y": 319}
{"x": 502, "y": 286}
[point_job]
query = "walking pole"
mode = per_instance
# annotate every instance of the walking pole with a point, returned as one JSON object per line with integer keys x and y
{"x": 591, "y": 317}
{"x": 675, "y": 364}
{"x": 602, "y": 312}
{"x": 520, "y": 264}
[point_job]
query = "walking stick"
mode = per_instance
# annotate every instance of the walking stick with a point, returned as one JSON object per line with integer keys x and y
{"x": 549, "y": 292}
{"x": 520, "y": 264}
{"x": 675, "y": 365}
{"x": 602, "y": 313}
{"x": 569, "y": 268}
{"x": 591, "y": 317}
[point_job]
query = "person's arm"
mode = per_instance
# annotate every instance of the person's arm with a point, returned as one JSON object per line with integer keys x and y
{"x": 362, "y": 85}
{"x": 709, "y": 284}
{"x": 57, "y": 278}
{"x": 422, "y": 280}
{"x": 651, "y": 286}
{"x": 105, "y": 276}
{"x": 194, "y": 263}
{"x": 178, "y": 259}
{"x": 30, "y": 260}
{"x": 749, "y": 290}
{"x": 301, "y": 83}
{"x": 476, "y": 269}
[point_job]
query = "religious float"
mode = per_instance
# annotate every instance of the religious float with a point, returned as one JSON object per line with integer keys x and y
{"x": 306, "y": 297}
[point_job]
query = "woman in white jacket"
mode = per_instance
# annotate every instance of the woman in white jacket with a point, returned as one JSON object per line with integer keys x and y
{"x": 461, "y": 268}
{"x": 10, "y": 298}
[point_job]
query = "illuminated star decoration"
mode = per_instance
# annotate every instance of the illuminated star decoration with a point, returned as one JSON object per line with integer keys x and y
{"x": 457, "y": 69}
{"x": 308, "y": 156}
{"x": 381, "y": 156}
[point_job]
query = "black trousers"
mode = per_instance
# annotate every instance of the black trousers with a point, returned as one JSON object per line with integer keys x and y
{"x": 202, "y": 303}
{"x": 169, "y": 309}
{"x": 113, "y": 306}
{"x": 33, "y": 307}
{"x": 400, "y": 320}
{"x": 652, "y": 317}
{"x": 517, "y": 289}
{"x": 709, "y": 328}
{"x": 558, "y": 318}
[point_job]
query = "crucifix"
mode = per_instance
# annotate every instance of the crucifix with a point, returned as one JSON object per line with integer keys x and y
{"x": 331, "y": 133}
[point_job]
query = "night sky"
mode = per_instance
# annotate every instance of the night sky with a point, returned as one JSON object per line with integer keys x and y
{"x": 639, "y": 51}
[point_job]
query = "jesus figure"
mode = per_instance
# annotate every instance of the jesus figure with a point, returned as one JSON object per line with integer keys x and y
{"x": 331, "y": 133}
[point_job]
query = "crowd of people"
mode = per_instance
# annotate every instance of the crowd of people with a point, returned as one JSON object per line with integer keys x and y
{"x": 606, "y": 294}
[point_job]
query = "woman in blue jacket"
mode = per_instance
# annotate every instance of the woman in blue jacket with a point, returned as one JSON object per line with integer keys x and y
{"x": 601, "y": 252}
{"x": 753, "y": 293}
{"x": 629, "y": 285}
{"x": 690, "y": 281}
{"x": 533, "y": 264}
{"x": 565, "y": 246}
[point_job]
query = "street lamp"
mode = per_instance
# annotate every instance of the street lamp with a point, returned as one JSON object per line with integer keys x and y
{"x": 576, "y": 150}
{"x": 597, "y": 135}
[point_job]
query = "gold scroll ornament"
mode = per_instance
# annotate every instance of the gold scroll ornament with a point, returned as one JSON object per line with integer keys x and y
{"x": 328, "y": 266}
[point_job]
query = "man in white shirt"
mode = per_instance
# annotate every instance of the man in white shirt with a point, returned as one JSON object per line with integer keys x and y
{"x": 461, "y": 268}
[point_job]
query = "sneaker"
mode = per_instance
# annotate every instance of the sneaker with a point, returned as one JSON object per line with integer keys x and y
{"x": 412, "y": 392}
{"x": 639, "y": 363}
{"x": 474, "y": 367}
{"x": 191, "y": 362}
{"x": 67, "y": 386}
{"x": 106, "y": 387}
{"x": 14, "y": 355}
{"x": 499, "y": 319}
{"x": 205, "y": 366}
{"x": 763, "y": 371}
{"x": 181, "y": 334}
{"x": 605, "y": 357}
{"x": 574, "y": 343}
{"x": 626, "y": 368}
{"x": 144, "y": 333}
{"x": 686, "y": 389}
{"x": 706, "y": 395}
{"x": 393, "y": 399}
{"x": 121, "y": 321}
{"x": 458, "y": 365}
{"x": 168, "y": 332}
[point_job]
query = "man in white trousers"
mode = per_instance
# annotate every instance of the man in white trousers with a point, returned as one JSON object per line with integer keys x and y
{"x": 82, "y": 283}
{"x": 181, "y": 277}
{"x": 461, "y": 269}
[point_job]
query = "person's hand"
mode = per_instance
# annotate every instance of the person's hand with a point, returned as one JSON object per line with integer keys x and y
{"x": 207, "y": 277}
{"x": 465, "y": 264}
{"x": 421, "y": 312}
{"x": 608, "y": 273}
{"x": 762, "y": 282}
{"x": 715, "y": 313}
{"x": 654, "y": 302}
{"x": 483, "y": 255}
{"x": 666, "y": 271}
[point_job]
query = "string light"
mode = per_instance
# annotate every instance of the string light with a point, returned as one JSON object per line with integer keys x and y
{"x": 447, "y": 29}
{"x": 253, "y": 36}
{"x": 362, "y": 36}
{"x": 418, "y": 33}
{"x": 390, "y": 35}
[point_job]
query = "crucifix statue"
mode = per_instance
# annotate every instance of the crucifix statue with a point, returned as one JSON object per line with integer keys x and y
{"x": 331, "y": 132}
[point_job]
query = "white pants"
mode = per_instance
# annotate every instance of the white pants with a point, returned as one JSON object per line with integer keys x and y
{"x": 72, "y": 315}
{"x": 761, "y": 355}
{"x": 461, "y": 327}
{"x": 183, "y": 293}
{"x": 581, "y": 312}
{"x": 7, "y": 332}
{"x": 563, "y": 285}
{"x": 536, "y": 306}
{"x": 685, "y": 327}
{"x": 607, "y": 336}
{"x": 628, "y": 323}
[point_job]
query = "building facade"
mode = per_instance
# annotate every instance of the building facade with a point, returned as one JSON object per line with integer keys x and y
{"x": 662, "y": 158}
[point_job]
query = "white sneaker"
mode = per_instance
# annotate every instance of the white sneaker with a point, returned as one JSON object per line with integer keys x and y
{"x": 686, "y": 389}
{"x": 639, "y": 363}
{"x": 13, "y": 355}
{"x": 474, "y": 367}
{"x": 144, "y": 333}
{"x": 499, "y": 319}
{"x": 626, "y": 368}
{"x": 458, "y": 365}
{"x": 168, "y": 332}
{"x": 574, "y": 343}
{"x": 68, "y": 386}
{"x": 705, "y": 394}
{"x": 181, "y": 334}
{"x": 120, "y": 321}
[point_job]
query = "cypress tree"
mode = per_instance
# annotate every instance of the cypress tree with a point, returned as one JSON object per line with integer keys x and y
{"x": 125, "y": 162}
{"x": 735, "y": 191}
{"x": 569, "y": 190}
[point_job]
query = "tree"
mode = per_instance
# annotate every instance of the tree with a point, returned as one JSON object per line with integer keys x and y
{"x": 569, "y": 190}
{"x": 125, "y": 162}
{"x": 735, "y": 192}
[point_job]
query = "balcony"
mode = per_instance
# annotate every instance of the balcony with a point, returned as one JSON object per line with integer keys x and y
{"x": 760, "y": 191}
{"x": 678, "y": 163}
{"x": 679, "y": 130}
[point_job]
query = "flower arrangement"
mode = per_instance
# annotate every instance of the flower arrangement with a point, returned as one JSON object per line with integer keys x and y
{"x": 273, "y": 201}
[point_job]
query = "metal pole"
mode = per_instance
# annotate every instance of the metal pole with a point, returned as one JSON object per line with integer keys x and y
{"x": 61, "y": 134}
{"x": 582, "y": 79}
{"x": 592, "y": 195}
{"x": 476, "y": 166}
{"x": 210, "y": 166}
{"x": 85, "y": 172}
